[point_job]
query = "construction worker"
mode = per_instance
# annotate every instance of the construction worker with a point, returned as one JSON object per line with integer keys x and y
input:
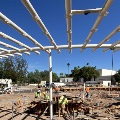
{"x": 56, "y": 89}
{"x": 18, "y": 106}
{"x": 62, "y": 102}
{"x": 46, "y": 96}
{"x": 87, "y": 91}
{"x": 38, "y": 94}
{"x": 19, "y": 102}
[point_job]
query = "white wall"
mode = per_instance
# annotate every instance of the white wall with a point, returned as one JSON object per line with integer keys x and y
{"x": 42, "y": 82}
{"x": 105, "y": 75}
{"x": 59, "y": 84}
{"x": 105, "y": 83}
{"x": 103, "y": 78}
{"x": 66, "y": 79}
{"x": 33, "y": 84}
{"x": 105, "y": 72}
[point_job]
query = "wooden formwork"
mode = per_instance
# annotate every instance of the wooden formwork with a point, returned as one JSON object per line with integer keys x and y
{"x": 42, "y": 106}
{"x": 70, "y": 89}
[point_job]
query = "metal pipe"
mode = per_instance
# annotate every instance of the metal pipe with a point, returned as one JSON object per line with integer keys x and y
{"x": 3, "y": 56}
{"x": 27, "y": 53}
{"x": 116, "y": 49}
{"x": 18, "y": 54}
{"x": 50, "y": 80}
{"x": 69, "y": 21}
{"x": 10, "y": 46}
{"x": 83, "y": 90}
{"x": 87, "y": 10}
{"x": 16, "y": 41}
{"x": 7, "y": 55}
{"x": 107, "y": 38}
{"x": 4, "y": 49}
{"x": 118, "y": 42}
{"x": 12, "y": 24}
{"x": 36, "y": 17}
{"x": 60, "y": 47}
{"x": 101, "y": 15}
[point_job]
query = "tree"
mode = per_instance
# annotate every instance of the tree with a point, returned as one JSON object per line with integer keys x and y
{"x": 54, "y": 77}
{"x": 8, "y": 68}
{"x": 37, "y": 76}
{"x": 34, "y": 77}
{"x": 76, "y": 73}
{"x": 14, "y": 68}
{"x": 88, "y": 73}
{"x": 85, "y": 72}
{"x": 61, "y": 74}
{"x": 87, "y": 64}
{"x": 117, "y": 76}
{"x": 68, "y": 64}
{"x": 45, "y": 75}
{"x": 31, "y": 78}
{"x": 21, "y": 69}
{"x": 1, "y": 70}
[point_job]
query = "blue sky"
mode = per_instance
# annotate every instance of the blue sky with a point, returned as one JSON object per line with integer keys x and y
{"x": 52, "y": 13}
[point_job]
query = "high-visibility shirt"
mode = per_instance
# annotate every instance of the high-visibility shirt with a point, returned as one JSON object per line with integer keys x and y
{"x": 38, "y": 94}
{"x": 63, "y": 100}
{"x": 87, "y": 89}
{"x": 46, "y": 97}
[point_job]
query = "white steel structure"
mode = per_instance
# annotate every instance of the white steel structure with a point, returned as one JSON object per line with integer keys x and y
{"x": 69, "y": 13}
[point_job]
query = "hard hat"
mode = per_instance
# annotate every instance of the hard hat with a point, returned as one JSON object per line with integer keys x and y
{"x": 38, "y": 90}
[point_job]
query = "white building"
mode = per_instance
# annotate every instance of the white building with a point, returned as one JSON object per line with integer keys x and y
{"x": 6, "y": 82}
{"x": 105, "y": 75}
{"x": 105, "y": 72}
{"x": 104, "y": 79}
{"x": 102, "y": 82}
{"x": 67, "y": 79}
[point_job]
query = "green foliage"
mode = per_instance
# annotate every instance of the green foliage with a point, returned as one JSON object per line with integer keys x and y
{"x": 16, "y": 69}
{"x": 1, "y": 70}
{"x": 87, "y": 64}
{"x": 45, "y": 75}
{"x": 61, "y": 75}
{"x": 37, "y": 76}
{"x": 85, "y": 72}
{"x": 117, "y": 76}
{"x": 33, "y": 77}
{"x": 88, "y": 73}
{"x": 76, "y": 73}
{"x": 54, "y": 77}
{"x": 13, "y": 68}
{"x": 68, "y": 64}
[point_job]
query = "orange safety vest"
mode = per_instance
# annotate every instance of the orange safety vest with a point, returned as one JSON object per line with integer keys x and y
{"x": 19, "y": 102}
{"x": 56, "y": 88}
{"x": 87, "y": 89}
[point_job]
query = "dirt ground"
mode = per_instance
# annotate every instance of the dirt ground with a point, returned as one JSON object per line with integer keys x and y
{"x": 105, "y": 108}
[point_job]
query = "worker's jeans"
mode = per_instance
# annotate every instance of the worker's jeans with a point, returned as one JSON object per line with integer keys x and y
{"x": 87, "y": 94}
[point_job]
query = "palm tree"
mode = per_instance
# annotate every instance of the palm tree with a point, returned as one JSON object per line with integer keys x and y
{"x": 87, "y": 64}
{"x": 68, "y": 64}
